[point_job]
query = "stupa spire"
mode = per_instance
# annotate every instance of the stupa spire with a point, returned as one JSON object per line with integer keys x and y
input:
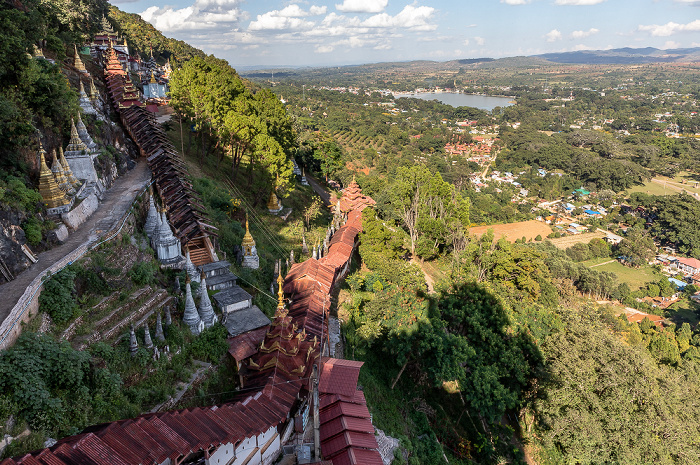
{"x": 76, "y": 144}
{"x": 59, "y": 174}
{"x": 77, "y": 62}
{"x": 206, "y": 311}
{"x": 250, "y": 253}
{"x": 191, "y": 316}
{"x": 48, "y": 188}
{"x": 66, "y": 169}
{"x": 93, "y": 90}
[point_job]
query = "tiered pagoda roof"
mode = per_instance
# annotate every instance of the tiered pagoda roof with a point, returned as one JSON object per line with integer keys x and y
{"x": 353, "y": 199}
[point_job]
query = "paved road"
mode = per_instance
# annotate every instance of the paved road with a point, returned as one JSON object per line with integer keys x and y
{"x": 116, "y": 202}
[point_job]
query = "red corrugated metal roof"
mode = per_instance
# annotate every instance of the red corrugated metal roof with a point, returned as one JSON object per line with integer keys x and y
{"x": 339, "y": 376}
{"x": 333, "y": 446}
{"x": 356, "y": 456}
{"x": 244, "y": 345}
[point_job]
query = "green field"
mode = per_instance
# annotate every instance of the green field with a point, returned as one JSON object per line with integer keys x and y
{"x": 684, "y": 311}
{"x": 634, "y": 277}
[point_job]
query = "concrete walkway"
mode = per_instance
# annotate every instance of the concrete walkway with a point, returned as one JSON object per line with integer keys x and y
{"x": 115, "y": 204}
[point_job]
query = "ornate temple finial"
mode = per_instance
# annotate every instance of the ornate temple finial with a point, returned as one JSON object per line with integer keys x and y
{"x": 153, "y": 78}
{"x": 280, "y": 291}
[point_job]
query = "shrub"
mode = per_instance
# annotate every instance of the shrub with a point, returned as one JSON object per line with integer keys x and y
{"x": 143, "y": 273}
{"x": 32, "y": 230}
{"x": 58, "y": 299}
{"x": 538, "y": 238}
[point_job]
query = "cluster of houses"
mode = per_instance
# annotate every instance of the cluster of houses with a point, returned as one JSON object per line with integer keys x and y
{"x": 478, "y": 151}
{"x": 688, "y": 267}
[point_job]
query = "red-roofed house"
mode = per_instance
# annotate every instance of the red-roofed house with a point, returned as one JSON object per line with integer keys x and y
{"x": 688, "y": 266}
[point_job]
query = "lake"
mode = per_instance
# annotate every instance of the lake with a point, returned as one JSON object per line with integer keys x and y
{"x": 483, "y": 102}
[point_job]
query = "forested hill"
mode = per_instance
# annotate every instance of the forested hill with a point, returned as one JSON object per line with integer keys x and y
{"x": 144, "y": 38}
{"x": 620, "y": 56}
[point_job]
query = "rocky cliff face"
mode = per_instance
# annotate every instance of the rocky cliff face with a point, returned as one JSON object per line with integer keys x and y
{"x": 12, "y": 238}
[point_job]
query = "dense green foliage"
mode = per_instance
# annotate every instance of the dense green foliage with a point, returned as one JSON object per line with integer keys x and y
{"x": 58, "y": 297}
{"x": 54, "y": 387}
{"x": 232, "y": 121}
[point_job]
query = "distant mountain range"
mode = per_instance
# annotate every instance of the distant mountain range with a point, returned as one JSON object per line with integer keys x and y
{"x": 625, "y": 56}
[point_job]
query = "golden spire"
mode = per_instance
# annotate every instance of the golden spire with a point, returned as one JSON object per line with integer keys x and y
{"x": 58, "y": 173}
{"x": 77, "y": 62}
{"x": 280, "y": 291}
{"x": 66, "y": 169}
{"x": 93, "y": 90}
{"x": 248, "y": 241}
{"x": 37, "y": 52}
{"x": 273, "y": 202}
{"x": 76, "y": 144}
{"x": 153, "y": 78}
{"x": 53, "y": 196}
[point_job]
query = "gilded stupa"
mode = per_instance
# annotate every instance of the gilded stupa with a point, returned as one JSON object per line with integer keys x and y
{"x": 93, "y": 90}
{"x": 76, "y": 145}
{"x": 250, "y": 253}
{"x": 77, "y": 62}
{"x": 53, "y": 196}
{"x": 66, "y": 169}
{"x": 273, "y": 204}
{"x": 59, "y": 175}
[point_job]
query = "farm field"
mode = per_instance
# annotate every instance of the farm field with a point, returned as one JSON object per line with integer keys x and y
{"x": 634, "y": 277}
{"x": 568, "y": 241}
{"x": 514, "y": 231}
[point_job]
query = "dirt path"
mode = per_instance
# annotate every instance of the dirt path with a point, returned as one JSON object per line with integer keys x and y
{"x": 117, "y": 201}
{"x": 601, "y": 264}
{"x": 675, "y": 187}
{"x": 428, "y": 279}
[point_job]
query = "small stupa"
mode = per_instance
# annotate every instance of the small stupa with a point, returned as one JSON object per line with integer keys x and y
{"x": 168, "y": 246}
{"x": 152, "y": 218}
{"x": 53, "y": 196}
{"x": 77, "y": 62}
{"x": 274, "y": 205}
{"x": 133, "y": 343}
{"x": 206, "y": 311}
{"x": 147, "y": 341}
{"x": 84, "y": 136}
{"x": 76, "y": 146}
{"x": 189, "y": 266}
{"x": 59, "y": 175}
{"x": 93, "y": 90}
{"x": 250, "y": 252}
{"x": 66, "y": 169}
{"x": 84, "y": 100}
{"x": 160, "y": 336}
{"x": 191, "y": 316}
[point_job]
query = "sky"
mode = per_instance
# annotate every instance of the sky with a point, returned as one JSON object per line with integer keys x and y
{"x": 272, "y": 33}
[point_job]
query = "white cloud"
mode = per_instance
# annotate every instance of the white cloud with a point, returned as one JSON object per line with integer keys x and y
{"x": 578, "y": 2}
{"x": 515, "y": 2}
{"x": 411, "y": 17}
{"x": 466, "y": 41}
{"x": 584, "y": 34}
{"x": 553, "y": 35}
{"x": 288, "y": 18}
{"x": 362, "y": 6}
{"x": 479, "y": 40}
{"x": 202, "y": 14}
{"x": 324, "y": 49}
{"x": 671, "y": 44}
{"x": 670, "y": 28}
{"x": 684, "y": 2}
{"x": 317, "y": 10}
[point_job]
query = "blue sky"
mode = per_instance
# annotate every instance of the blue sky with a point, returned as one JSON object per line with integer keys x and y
{"x": 335, "y": 32}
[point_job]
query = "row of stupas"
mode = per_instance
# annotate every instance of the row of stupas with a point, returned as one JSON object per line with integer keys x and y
{"x": 163, "y": 241}
{"x": 57, "y": 185}
{"x": 198, "y": 318}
